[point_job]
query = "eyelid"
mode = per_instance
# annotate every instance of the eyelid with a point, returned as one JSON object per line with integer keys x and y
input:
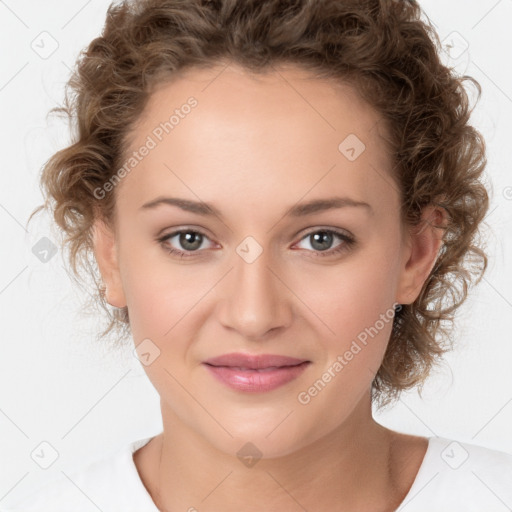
{"x": 165, "y": 232}
{"x": 338, "y": 231}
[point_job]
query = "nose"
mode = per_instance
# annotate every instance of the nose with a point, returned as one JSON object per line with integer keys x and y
{"x": 255, "y": 300}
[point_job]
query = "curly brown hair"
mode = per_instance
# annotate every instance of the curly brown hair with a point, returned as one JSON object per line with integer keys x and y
{"x": 387, "y": 49}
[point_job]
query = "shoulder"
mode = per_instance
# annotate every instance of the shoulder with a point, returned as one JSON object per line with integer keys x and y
{"x": 109, "y": 483}
{"x": 461, "y": 476}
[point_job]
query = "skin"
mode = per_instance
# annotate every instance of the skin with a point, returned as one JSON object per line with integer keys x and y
{"x": 254, "y": 147}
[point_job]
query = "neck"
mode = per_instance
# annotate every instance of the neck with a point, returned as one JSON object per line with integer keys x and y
{"x": 351, "y": 468}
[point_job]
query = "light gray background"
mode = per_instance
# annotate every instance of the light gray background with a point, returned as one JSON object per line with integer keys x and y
{"x": 57, "y": 386}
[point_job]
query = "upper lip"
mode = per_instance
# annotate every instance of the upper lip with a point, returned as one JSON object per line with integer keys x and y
{"x": 255, "y": 362}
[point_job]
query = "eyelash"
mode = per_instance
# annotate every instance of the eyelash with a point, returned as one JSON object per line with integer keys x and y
{"x": 349, "y": 242}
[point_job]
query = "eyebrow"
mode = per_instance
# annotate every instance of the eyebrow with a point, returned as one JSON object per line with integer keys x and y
{"x": 298, "y": 210}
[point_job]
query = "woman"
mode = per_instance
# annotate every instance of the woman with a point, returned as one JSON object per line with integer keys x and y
{"x": 282, "y": 199}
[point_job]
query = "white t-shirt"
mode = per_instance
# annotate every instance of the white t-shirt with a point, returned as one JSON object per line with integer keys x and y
{"x": 453, "y": 477}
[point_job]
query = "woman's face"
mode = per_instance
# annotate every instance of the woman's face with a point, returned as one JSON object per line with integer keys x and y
{"x": 265, "y": 274}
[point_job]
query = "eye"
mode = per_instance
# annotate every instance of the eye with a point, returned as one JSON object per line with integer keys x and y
{"x": 189, "y": 239}
{"x": 321, "y": 241}
{"x": 192, "y": 240}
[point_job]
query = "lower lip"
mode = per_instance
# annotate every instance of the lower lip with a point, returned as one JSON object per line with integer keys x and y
{"x": 256, "y": 380}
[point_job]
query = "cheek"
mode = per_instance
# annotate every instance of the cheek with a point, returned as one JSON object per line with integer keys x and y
{"x": 158, "y": 302}
{"x": 357, "y": 306}
{"x": 155, "y": 293}
{"x": 158, "y": 290}
{"x": 354, "y": 302}
{"x": 352, "y": 296}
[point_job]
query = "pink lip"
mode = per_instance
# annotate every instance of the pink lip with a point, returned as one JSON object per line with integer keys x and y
{"x": 256, "y": 373}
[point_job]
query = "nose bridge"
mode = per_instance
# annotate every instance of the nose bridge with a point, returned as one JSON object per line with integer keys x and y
{"x": 255, "y": 300}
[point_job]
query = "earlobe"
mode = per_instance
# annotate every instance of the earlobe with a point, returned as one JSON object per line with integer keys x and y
{"x": 105, "y": 253}
{"x": 420, "y": 254}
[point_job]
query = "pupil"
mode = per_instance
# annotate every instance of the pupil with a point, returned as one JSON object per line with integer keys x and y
{"x": 321, "y": 236}
{"x": 188, "y": 238}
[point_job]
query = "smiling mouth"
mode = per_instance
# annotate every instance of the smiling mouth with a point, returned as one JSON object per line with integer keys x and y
{"x": 256, "y": 380}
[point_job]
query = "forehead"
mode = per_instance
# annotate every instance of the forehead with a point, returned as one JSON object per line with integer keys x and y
{"x": 254, "y": 132}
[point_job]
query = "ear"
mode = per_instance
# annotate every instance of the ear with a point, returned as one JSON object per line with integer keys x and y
{"x": 105, "y": 252}
{"x": 421, "y": 249}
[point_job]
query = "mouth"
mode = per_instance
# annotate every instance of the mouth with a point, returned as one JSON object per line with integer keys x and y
{"x": 245, "y": 362}
{"x": 257, "y": 375}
